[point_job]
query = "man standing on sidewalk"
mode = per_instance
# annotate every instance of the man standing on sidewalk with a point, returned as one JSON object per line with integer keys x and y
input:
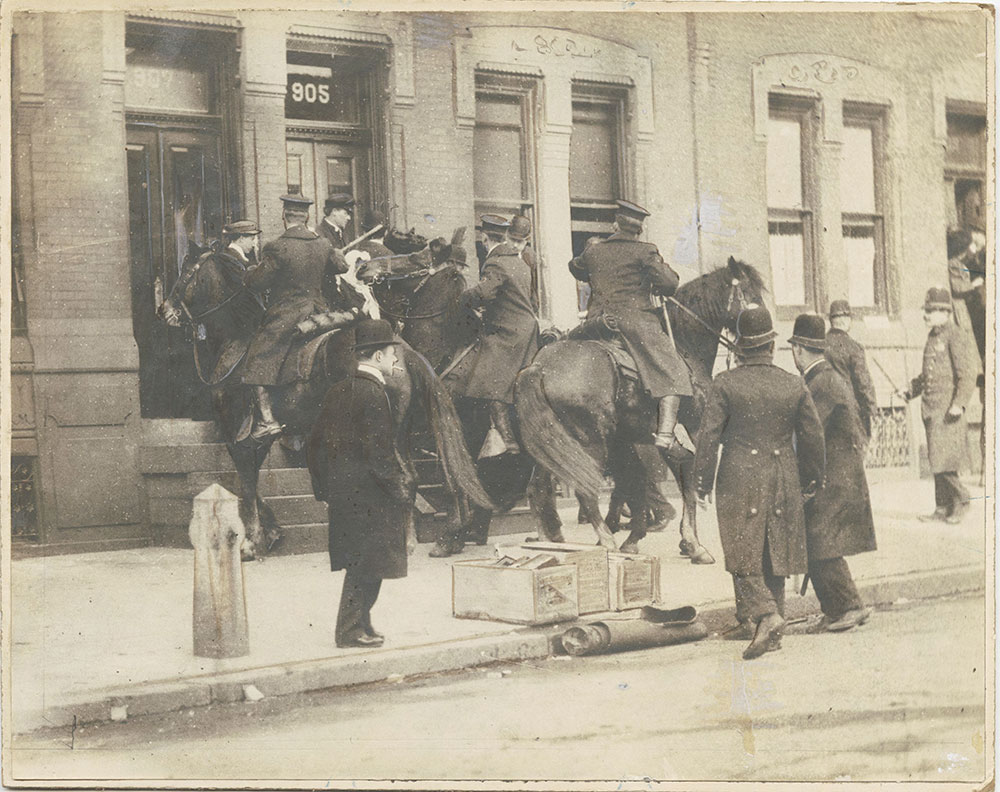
{"x": 945, "y": 385}
{"x": 772, "y": 454}
{"x": 357, "y": 469}
{"x": 839, "y": 519}
{"x": 847, "y": 356}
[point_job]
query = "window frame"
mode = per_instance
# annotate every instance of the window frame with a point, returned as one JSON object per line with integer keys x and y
{"x": 873, "y": 116}
{"x": 805, "y": 110}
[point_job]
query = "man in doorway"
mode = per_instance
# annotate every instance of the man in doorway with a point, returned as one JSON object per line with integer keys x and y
{"x": 336, "y": 215}
{"x": 625, "y": 276}
{"x": 357, "y": 469}
{"x": 839, "y": 519}
{"x": 847, "y": 357}
{"x": 297, "y": 270}
{"x": 509, "y": 338}
{"x": 945, "y": 385}
{"x": 772, "y": 456}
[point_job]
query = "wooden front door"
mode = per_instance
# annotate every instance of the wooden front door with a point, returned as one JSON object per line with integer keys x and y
{"x": 318, "y": 169}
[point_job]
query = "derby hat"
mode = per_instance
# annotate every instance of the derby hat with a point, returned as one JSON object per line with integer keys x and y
{"x": 809, "y": 332}
{"x": 754, "y": 327}
{"x": 839, "y": 308}
{"x": 337, "y": 201}
{"x": 296, "y": 202}
{"x": 373, "y": 333}
{"x": 241, "y": 228}
{"x": 520, "y": 227}
{"x": 494, "y": 223}
{"x": 938, "y": 299}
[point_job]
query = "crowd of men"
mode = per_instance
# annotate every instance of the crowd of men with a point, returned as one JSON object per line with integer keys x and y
{"x": 790, "y": 487}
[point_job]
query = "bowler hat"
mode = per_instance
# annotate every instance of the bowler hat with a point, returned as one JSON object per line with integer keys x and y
{"x": 753, "y": 327}
{"x": 938, "y": 299}
{"x": 337, "y": 201}
{"x": 296, "y": 201}
{"x": 373, "y": 333}
{"x": 520, "y": 227}
{"x": 809, "y": 331}
{"x": 241, "y": 228}
{"x": 494, "y": 223}
{"x": 839, "y": 308}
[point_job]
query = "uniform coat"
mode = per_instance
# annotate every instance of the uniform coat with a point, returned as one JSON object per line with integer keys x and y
{"x": 299, "y": 268}
{"x": 509, "y": 339}
{"x": 230, "y": 312}
{"x": 331, "y": 233}
{"x": 839, "y": 519}
{"x": 948, "y": 378}
{"x": 754, "y": 411}
{"x": 623, "y": 273}
{"x": 847, "y": 356}
{"x": 357, "y": 469}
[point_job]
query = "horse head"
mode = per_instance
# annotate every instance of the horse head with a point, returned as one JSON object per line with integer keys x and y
{"x": 746, "y": 287}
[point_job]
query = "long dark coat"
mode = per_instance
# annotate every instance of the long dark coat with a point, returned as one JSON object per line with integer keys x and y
{"x": 230, "y": 312}
{"x": 757, "y": 411}
{"x": 331, "y": 233}
{"x": 623, "y": 273}
{"x": 839, "y": 519}
{"x": 509, "y": 339}
{"x": 948, "y": 377}
{"x": 357, "y": 469}
{"x": 299, "y": 268}
{"x": 847, "y": 357}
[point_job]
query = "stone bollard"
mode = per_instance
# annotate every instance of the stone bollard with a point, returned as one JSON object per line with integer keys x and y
{"x": 220, "y": 610}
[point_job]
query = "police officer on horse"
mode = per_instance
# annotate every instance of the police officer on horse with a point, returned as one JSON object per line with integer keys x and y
{"x": 625, "y": 276}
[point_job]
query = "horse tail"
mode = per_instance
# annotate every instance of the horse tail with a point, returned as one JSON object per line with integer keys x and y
{"x": 548, "y": 440}
{"x": 459, "y": 469}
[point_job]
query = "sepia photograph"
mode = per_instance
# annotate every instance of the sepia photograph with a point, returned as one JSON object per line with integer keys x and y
{"x": 497, "y": 395}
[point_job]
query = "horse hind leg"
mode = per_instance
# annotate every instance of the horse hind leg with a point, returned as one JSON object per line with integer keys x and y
{"x": 592, "y": 510}
{"x": 637, "y": 529}
{"x": 542, "y": 499}
{"x": 248, "y": 458}
{"x": 690, "y": 545}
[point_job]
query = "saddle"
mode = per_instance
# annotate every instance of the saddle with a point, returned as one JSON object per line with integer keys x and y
{"x": 604, "y": 331}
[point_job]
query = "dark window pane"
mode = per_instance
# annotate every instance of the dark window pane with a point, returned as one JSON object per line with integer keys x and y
{"x": 322, "y": 87}
{"x": 966, "y": 142}
{"x": 593, "y": 153}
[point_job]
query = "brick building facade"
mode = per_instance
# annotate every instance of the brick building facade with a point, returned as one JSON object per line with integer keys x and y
{"x": 832, "y": 151}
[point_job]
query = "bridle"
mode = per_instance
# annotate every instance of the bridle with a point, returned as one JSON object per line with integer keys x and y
{"x": 736, "y": 295}
{"x": 424, "y": 274}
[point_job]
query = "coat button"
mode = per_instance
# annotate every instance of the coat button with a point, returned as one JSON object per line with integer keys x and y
{"x": 777, "y": 452}
{"x": 753, "y": 511}
{"x": 777, "y": 512}
{"x": 753, "y": 451}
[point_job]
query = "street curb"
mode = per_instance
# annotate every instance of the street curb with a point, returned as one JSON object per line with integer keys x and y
{"x": 120, "y": 703}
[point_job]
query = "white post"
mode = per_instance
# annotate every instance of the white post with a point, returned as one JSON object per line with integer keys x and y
{"x": 220, "y": 611}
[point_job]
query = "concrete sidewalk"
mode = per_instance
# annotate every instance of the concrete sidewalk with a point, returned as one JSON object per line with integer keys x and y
{"x": 95, "y": 633}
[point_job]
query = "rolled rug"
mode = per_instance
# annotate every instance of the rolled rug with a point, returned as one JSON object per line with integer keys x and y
{"x": 623, "y": 636}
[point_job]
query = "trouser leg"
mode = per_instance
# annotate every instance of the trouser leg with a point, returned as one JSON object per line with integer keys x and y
{"x": 754, "y": 597}
{"x": 941, "y": 499}
{"x": 369, "y": 594}
{"x": 500, "y": 415}
{"x": 955, "y": 494}
{"x": 775, "y": 583}
{"x": 358, "y": 595}
{"x": 834, "y": 587}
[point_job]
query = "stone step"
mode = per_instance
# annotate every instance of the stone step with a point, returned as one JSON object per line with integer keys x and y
{"x": 297, "y": 509}
{"x": 205, "y": 457}
{"x": 273, "y": 481}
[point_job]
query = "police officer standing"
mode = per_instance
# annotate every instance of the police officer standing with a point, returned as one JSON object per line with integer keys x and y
{"x": 298, "y": 270}
{"x": 509, "y": 339}
{"x": 847, "y": 357}
{"x": 945, "y": 385}
{"x": 624, "y": 275}
{"x": 755, "y": 411}
{"x": 839, "y": 519}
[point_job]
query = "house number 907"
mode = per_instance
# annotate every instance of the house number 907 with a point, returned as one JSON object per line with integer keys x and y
{"x": 310, "y": 92}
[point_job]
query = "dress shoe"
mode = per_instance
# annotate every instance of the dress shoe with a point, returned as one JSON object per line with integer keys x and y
{"x": 940, "y": 514}
{"x": 372, "y": 632}
{"x": 767, "y": 638}
{"x": 361, "y": 642}
{"x": 266, "y": 429}
{"x": 820, "y": 626}
{"x": 850, "y": 620}
{"x": 957, "y": 514}
{"x": 741, "y": 631}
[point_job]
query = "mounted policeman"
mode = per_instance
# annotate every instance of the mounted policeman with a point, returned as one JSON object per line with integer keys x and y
{"x": 300, "y": 271}
{"x": 627, "y": 277}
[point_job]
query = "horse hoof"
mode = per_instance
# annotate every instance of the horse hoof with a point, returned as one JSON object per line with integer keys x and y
{"x": 631, "y": 548}
{"x": 247, "y": 555}
{"x": 702, "y": 556}
{"x": 445, "y": 549}
{"x": 686, "y": 547}
{"x": 557, "y": 537}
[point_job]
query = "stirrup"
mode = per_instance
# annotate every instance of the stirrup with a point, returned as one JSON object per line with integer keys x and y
{"x": 266, "y": 429}
{"x": 671, "y": 445}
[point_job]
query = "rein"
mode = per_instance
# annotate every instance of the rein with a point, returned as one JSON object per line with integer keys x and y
{"x": 426, "y": 273}
{"x": 725, "y": 341}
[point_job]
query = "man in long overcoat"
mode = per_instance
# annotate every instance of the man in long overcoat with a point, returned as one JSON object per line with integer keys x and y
{"x": 509, "y": 338}
{"x": 301, "y": 271}
{"x": 336, "y": 215}
{"x": 772, "y": 454}
{"x": 945, "y": 385}
{"x": 839, "y": 519}
{"x": 847, "y": 357}
{"x": 624, "y": 275}
{"x": 358, "y": 470}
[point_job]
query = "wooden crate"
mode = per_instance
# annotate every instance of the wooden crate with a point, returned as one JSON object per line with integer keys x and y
{"x": 480, "y": 590}
{"x": 633, "y": 580}
{"x": 592, "y": 570}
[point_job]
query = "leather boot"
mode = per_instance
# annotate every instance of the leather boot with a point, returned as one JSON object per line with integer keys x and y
{"x": 267, "y": 427}
{"x": 500, "y": 415}
{"x": 668, "y": 436}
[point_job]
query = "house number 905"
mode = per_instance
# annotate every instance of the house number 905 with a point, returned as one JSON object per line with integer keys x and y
{"x": 310, "y": 92}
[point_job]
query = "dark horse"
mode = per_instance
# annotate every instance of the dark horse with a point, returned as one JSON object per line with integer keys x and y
{"x": 578, "y": 417}
{"x": 298, "y": 404}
